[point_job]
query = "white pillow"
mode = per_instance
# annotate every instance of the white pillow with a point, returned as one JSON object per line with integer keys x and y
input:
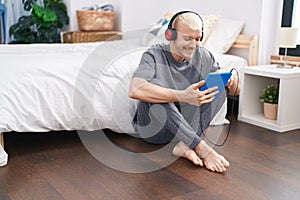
{"x": 209, "y": 23}
{"x": 156, "y": 33}
{"x": 224, "y": 34}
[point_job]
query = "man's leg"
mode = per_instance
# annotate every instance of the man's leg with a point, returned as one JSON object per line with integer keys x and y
{"x": 211, "y": 159}
{"x": 199, "y": 117}
{"x": 160, "y": 123}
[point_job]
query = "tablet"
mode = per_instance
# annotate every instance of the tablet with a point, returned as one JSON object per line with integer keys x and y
{"x": 219, "y": 79}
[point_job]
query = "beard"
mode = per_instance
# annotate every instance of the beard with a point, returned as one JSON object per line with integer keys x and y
{"x": 188, "y": 52}
{"x": 184, "y": 52}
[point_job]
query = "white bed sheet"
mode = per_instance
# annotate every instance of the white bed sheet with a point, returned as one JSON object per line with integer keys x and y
{"x": 73, "y": 86}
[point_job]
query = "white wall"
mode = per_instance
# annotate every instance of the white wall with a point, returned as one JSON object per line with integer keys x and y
{"x": 262, "y": 17}
{"x": 136, "y": 14}
{"x": 269, "y": 26}
{"x": 140, "y": 13}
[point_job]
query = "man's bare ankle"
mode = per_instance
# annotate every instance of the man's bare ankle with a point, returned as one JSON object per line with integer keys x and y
{"x": 202, "y": 149}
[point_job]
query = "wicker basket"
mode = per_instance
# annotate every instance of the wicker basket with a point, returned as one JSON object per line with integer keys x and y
{"x": 95, "y": 20}
{"x": 89, "y": 36}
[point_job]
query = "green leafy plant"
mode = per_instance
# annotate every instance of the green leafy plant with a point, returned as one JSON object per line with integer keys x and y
{"x": 43, "y": 25}
{"x": 270, "y": 94}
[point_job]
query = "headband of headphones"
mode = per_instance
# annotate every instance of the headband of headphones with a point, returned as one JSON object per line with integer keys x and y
{"x": 171, "y": 33}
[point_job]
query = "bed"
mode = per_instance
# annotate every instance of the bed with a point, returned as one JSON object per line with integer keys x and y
{"x": 81, "y": 86}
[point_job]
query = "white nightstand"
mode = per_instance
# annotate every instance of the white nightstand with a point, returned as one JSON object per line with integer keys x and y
{"x": 253, "y": 80}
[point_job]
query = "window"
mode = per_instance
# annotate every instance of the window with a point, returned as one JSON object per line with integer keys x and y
{"x": 291, "y": 18}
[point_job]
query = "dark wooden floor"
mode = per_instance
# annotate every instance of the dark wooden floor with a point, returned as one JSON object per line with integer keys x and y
{"x": 264, "y": 165}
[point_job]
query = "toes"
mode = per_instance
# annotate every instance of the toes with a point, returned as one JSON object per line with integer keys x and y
{"x": 216, "y": 168}
{"x": 221, "y": 168}
{"x": 201, "y": 162}
{"x": 192, "y": 156}
{"x": 225, "y": 162}
{"x": 198, "y": 161}
{"x": 211, "y": 168}
{"x": 216, "y": 164}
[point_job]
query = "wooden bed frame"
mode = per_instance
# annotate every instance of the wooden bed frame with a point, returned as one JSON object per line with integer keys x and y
{"x": 2, "y": 139}
{"x": 249, "y": 42}
{"x": 243, "y": 41}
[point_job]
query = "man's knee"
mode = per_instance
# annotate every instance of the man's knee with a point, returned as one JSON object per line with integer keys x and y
{"x": 154, "y": 122}
{"x": 146, "y": 112}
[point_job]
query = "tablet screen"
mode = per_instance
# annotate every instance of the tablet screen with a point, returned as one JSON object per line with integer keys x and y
{"x": 219, "y": 79}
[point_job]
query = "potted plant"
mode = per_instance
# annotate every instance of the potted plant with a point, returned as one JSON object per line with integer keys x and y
{"x": 43, "y": 25}
{"x": 269, "y": 97}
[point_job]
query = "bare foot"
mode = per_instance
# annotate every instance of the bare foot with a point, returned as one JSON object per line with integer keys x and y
{"x": 181, "y": 150}
{"x": 211, "y": 159}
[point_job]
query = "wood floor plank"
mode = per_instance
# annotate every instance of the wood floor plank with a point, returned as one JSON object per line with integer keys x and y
{"x": 56, "y": 165}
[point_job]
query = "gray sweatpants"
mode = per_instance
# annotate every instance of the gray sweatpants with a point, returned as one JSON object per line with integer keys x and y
{"x": 160, "y": 123}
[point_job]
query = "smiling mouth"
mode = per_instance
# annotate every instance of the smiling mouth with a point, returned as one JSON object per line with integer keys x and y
{"x": 189, "y": 50}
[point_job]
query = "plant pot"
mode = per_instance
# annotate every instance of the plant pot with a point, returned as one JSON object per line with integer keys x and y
{"x": 270, "y": 111}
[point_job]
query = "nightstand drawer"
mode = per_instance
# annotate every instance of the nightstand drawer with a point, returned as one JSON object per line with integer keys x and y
{"x": 89, "y": 36}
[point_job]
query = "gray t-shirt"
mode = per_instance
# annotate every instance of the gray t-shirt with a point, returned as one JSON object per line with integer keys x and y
{"x": 159, "y": 67}
{"x": 158, "y": 63}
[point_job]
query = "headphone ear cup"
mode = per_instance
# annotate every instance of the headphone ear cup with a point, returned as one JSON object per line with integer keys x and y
{"x": 170, "y": 34}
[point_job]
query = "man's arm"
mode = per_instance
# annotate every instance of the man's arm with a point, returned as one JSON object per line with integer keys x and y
{"x": 141, "y": 89}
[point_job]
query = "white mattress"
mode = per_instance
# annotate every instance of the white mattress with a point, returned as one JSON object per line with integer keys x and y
{"x": 72, "y": 86}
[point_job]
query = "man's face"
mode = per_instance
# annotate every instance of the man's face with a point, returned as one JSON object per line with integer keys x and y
{"x": 186, "y": 42}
